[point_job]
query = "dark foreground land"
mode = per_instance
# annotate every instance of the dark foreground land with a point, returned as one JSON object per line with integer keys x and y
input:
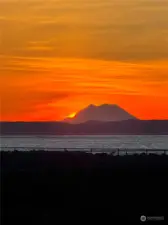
{"x": 81, "y": 188}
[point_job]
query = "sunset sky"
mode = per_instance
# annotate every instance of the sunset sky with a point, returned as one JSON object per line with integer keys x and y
{"x": 58, "y": 56}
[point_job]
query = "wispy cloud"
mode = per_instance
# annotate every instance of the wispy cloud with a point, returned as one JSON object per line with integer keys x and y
{"x": 110, "y": 30}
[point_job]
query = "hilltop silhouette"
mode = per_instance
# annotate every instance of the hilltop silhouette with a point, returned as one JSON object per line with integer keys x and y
{"x": 105, "y": 112}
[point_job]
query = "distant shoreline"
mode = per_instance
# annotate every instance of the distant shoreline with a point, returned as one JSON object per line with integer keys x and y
{"x": 127, "y": 127}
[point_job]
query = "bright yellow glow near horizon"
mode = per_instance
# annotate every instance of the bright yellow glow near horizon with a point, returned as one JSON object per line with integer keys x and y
{"x": 72, "y": 115}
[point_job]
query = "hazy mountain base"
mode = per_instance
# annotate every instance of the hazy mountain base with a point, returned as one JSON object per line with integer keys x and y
{"x": 80, "y": 188}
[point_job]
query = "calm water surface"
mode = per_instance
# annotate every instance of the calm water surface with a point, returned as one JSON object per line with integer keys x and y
{"x": 86, "y": 141}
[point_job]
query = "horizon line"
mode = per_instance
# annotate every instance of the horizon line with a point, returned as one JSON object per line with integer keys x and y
{"x": 61, "y": 121}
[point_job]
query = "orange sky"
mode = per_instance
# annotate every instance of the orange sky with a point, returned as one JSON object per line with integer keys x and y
{"x": 57, "y": 57}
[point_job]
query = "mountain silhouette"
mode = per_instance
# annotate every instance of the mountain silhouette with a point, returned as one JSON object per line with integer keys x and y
{"x": 104, "y": 113}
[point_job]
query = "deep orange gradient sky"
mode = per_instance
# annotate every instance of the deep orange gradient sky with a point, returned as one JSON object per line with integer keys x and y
{"x": 58, "y": 56}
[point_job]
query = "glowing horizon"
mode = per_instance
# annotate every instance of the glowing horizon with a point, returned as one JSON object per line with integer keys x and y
{"x": 72, "y": 115}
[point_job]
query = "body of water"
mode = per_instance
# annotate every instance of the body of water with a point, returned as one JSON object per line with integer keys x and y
{"x": 85, "y": 141}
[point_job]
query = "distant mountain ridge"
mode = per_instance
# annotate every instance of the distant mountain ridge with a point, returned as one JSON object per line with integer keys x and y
{"x": 131, "y": 127}
{"x": 104, "y": 113}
